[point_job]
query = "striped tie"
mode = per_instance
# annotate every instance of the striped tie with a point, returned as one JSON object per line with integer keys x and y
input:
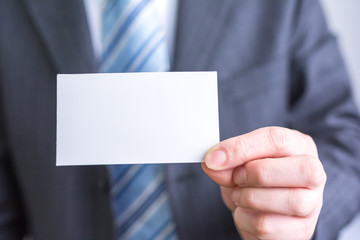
{"x": 133, "y": 41}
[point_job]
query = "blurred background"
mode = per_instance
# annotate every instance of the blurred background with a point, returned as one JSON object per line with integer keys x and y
{"x": 343, "y": 17}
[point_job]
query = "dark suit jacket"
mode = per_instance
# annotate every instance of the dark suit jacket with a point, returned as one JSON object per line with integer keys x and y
{"x": 277, "y": 65}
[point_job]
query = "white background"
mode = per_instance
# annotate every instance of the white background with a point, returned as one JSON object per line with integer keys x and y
{"x": 344, "y": 18}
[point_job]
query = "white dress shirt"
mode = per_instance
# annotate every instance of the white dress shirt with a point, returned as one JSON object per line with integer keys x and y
{"x": 167, "y": 10}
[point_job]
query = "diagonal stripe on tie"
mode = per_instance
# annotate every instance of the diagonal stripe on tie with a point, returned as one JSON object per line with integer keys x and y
{"x": 139, "y": 201}
{"x": 152, "y": 202}
{"x": 126, "y": 46}
{"x": 116, "y": 15}
{"x": 130, "y": 233}
{"x": 123, "y": 183}
{"x": 120, "y": 32}
{"x": 143, "y": 50}
{"x": 133, "y": 40}
{"x": 164, "y": 231}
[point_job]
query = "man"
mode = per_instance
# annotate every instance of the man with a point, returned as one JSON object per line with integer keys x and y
{"x": 278, "y": 65}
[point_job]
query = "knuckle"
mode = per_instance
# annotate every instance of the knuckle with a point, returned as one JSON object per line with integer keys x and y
{"x": 309, "y": 139}
{"x": 308, "y": 142}
{"x": 321, "y": 175}
{"x": 240, "y": 148}
{"x": 240, "y": 177}
{"x": 300, "y": 202}
{"x": 318, "y": 178}
{"x": 278, "y": 138}
{"x": 262, "y": 226}
{"x": 311, "y": 144}
{"x": 260, "y": 174}
{"x": 249, "y": 199}
{"x": 324, "y": 177}
{"x": 313, "y": 171}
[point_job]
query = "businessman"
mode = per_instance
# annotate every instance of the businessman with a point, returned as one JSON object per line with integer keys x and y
{"x": 288, "y": 124}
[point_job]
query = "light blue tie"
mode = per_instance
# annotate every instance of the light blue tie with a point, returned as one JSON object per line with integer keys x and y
{"x": 133, "y": 41}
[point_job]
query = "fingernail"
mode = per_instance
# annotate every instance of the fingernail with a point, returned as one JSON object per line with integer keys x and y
{"x": 215, "y": 159}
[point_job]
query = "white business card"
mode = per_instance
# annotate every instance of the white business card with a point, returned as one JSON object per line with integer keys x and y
{"x": 133, "y": 118}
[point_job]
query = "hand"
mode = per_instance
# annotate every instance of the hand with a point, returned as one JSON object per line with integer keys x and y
{"x": 272, "y": 180}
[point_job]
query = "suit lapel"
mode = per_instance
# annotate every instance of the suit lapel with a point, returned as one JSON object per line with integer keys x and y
{"x": 200, "y": 24}
{"x": 197, "y": 32}
{"x": 62, "y": 26}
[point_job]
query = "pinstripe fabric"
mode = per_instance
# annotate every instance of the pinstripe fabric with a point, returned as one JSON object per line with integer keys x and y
{"x": 133, "y": 41}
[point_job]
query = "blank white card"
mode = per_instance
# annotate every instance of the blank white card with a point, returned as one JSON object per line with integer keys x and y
{"x": 131, "y": 118}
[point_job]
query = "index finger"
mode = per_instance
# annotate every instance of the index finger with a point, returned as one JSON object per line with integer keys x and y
{"x": 270, "y": 142}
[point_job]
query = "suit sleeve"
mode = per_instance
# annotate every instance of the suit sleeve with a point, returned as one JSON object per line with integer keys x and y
{"x": 323, "y": 107}
{"x": 12, "y": 223}
{"x": 12, "y": 220}
{"x": 12, "y": 217}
